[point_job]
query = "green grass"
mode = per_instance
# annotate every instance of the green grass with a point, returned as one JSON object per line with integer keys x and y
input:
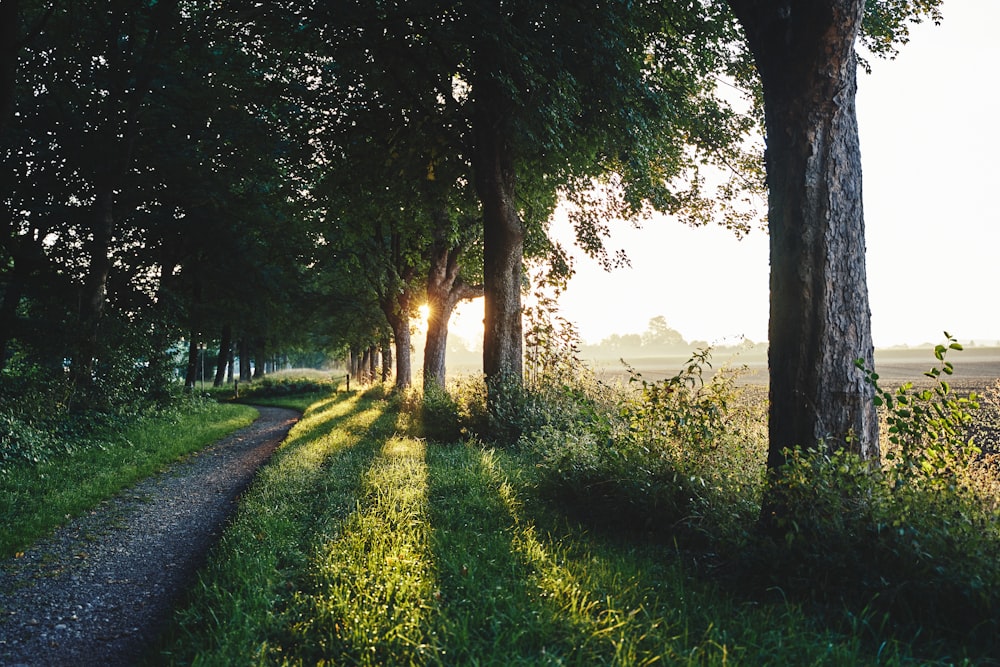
{"x": 35, "y": 499}
{"x": 360, "y": 545}
{"x": 299, "y": 402}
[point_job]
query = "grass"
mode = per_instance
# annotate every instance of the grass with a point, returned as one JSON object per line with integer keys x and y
{"x": 35, "y": 499}
{"x": 362, "y": 545}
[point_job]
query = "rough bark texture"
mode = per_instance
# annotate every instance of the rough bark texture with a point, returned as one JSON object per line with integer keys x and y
{"x": 445, "y": 288}
{"x": 820, "y": 318}
{"x": 397, "y": 314}
{"x": 503, "y": 247}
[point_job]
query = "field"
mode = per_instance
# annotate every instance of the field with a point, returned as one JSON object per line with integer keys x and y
{"x": 975, "y": 367}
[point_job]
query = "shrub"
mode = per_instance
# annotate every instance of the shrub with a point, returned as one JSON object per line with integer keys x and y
{"x": 285, "y": 384}
{"x": 680, "y": 454}
{"x": 915, "y": 540}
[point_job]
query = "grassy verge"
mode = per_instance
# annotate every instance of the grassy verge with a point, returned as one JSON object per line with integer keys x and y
{"x": 359, "y": 545}
{"x": 35, "y": 499}
{"x": 300, "y": 402}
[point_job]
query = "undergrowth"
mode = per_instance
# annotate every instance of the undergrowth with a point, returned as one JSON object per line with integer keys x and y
{"x": 36, "y": 496}
{"x": 362, "y": 544}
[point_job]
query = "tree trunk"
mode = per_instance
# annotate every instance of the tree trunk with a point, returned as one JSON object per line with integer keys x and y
{"x": 225, "y": 346}
{"x": 245, "y": 375}
{"x": 353, "y": 363}
{"x": 820, "y": 318}
{"x": 445, "y": 288}
{"x": 397, "y": 313}
{"x": 229, "y": 364}
{"x": 386, "y": 360}
{"x": 404, "y": 365}
{"x": 503, "y": 243}
{"x": 260, "y": 360}
{"x": 93, "y": 296}
{"x": 191, "y": 374}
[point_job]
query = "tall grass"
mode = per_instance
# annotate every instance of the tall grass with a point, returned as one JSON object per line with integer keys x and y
{"x": 35, "y": 498}
{"x": 361, "y": 544}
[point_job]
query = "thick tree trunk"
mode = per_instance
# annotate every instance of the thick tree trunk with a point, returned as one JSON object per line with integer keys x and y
{"x": 260, "y": 360}
{"x": 386, "y": 360}
{"x": 820, "y": 319}
{"x": 191, "y": 374}
{"x": 445, "y": 288}
{"x": 229, "y": 364}
{"x": 93, "y": 296}
{"x": 404, "y": 365}
{"x": 225, "y": 349}
{"x": 245, "y": 375}
{"x": 503, "y": 247}
{"x": 397, "y": 314}
{"x": 366, "y": 358}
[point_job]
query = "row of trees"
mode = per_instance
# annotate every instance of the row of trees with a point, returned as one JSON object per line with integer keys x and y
{"x": 300, "y": 174}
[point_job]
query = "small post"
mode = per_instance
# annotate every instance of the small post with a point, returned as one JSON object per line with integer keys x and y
{"x": 236, "y": 388}
{"x": 348, "y": 378}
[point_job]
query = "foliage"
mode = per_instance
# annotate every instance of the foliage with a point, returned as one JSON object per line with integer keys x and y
{"x": 77, "y": 467}
{"x": 680, "y": 454}
{"x": 914, "y": 541}
{"x": 359, "y": 545}
{"x": 285, "y": 384}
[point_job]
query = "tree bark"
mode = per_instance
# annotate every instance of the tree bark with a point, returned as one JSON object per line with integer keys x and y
{"x": 222, "y": 360}
{"x": 397, "y": 314}
{"x": 820, "y": 319}
{"x": 503, "y": 243}
{"x": 245, "y": 375}
{"x": 354, "y": 364}
{"x": 386, "y": 360}
{"x": 93, "y": 295}
{"x": 445, "y": 288}
{"x": 191, "y": 374}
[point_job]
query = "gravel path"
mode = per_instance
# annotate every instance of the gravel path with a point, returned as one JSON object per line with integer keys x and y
{"x": 98, "y": 590}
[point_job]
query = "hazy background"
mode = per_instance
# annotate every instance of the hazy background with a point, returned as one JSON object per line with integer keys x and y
{"x": 930, "y": 159}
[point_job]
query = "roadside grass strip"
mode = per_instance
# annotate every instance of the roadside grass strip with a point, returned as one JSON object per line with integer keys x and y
{"x": 36, "y": 499}
{"x": 236, "y": 612}
{"x": 363, "y": 546}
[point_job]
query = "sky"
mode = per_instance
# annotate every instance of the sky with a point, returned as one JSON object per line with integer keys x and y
{"x": 930, "y": 153}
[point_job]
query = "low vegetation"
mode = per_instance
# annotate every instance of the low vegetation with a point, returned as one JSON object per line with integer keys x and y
{"x": 576, "y": 522}
{"x": 51, "y": 476}
{"x": 620, "y": 526}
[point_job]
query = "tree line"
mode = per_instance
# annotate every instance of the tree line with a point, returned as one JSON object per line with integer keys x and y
{"x": 298, "y": 175}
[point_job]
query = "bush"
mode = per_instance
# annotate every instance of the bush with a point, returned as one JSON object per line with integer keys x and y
{"x": 915, "y": 540}
{"x": 286, "y": 384}
{"x": 678, "y": 455}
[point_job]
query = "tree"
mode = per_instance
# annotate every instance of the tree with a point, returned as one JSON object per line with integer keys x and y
{"x": 820, "y": 323}
{"x": 660, "y": 335}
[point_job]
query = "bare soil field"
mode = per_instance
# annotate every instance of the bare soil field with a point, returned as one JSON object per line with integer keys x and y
{"x": 975, "y": 367}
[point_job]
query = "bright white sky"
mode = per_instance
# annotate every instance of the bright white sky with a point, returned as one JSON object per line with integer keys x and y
{"x": 931, "y": 161}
